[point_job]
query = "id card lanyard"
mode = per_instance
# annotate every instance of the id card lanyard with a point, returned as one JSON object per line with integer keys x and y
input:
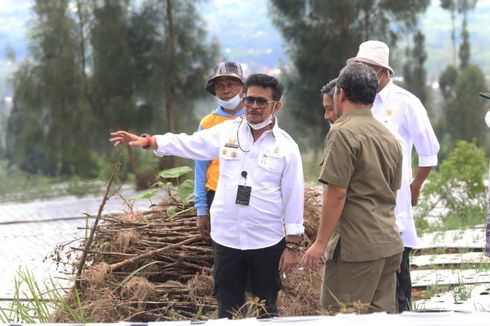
{"x": 243, "y": 192}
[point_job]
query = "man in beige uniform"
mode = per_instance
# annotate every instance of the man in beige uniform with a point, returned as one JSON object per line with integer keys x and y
{"x": 362, "y": 168}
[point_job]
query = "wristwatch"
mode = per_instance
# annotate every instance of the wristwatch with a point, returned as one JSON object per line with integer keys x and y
{"x": 149, "y": 140}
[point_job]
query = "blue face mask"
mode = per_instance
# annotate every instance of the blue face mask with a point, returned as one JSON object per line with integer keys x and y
{"x": 231, "y": 103}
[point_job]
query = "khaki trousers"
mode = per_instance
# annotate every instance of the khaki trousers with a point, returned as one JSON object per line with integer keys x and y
{"x": 371, "y": 283}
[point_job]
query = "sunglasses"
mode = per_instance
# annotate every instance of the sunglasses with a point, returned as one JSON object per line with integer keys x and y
{"x": 261, "y": 102}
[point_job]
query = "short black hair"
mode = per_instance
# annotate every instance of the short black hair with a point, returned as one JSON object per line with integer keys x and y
{"x": 359, "y": 82}
{"x": 329, "y": 88}
{"x": 264, "y": 81}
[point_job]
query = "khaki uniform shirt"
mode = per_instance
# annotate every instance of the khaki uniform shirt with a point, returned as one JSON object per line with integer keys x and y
{"x": 362, "y": 156}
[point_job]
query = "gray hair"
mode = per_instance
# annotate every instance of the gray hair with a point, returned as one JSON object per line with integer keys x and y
{"x": 329, "y": 88}
{"x": 359, "y": 82}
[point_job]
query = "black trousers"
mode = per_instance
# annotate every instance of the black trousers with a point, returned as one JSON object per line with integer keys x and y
{"x": 232, "y": 268}
{"x": 404, "y": 283}
{"x": 210, "y": 197}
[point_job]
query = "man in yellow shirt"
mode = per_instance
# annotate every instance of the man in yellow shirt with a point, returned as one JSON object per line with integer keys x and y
{"x": 226, "y": 84}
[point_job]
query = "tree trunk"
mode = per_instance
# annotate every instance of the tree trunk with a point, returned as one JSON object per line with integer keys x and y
{"x": 169, "y": 85}
{"x": 83, "y": 63}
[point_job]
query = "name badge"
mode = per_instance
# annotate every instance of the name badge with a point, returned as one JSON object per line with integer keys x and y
{"x": 243, "y": 195}
{"x": 231, "y": 145}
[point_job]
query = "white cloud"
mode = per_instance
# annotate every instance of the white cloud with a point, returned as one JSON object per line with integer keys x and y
{"x": 12, "y": 6}
{"x": 14, "y": 15}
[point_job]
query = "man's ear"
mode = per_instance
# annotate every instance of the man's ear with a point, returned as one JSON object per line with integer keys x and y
{"x": 342, "y": 95}
{"x": 278, "y": 106}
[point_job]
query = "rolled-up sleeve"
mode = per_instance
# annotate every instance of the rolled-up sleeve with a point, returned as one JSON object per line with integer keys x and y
{"x": 292, "y": 188}
{"x": 422, "y": 134}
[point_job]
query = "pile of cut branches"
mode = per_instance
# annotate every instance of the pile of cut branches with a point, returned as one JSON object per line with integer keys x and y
{"x": 155, "y": 266}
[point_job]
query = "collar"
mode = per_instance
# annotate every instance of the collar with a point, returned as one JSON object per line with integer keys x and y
{"x": 221, "y": 111}
{"x": 383, "y": 94}
{"x": 355, "y": 113}
{"x": 275, "y": 127}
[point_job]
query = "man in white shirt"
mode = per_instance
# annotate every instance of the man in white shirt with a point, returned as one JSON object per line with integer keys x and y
{"x": 258, "y": 207}
{"x": 406, "y": 117}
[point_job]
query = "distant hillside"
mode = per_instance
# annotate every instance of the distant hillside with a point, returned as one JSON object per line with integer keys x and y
{"x": 436, "y": 25}
{"x": 245, "y": 33}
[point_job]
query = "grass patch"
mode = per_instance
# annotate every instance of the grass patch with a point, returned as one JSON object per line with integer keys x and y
{"x": 16, "y": 185}
{"x": 463, "y": 218}
{"x": 467, "y": 217}
{"x": 34, "y": 303}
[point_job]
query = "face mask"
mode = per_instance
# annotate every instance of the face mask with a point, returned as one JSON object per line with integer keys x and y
{"x": 230, "y": 104}
{"x": 487, "y": 119}
{"x": 263, "y": 124}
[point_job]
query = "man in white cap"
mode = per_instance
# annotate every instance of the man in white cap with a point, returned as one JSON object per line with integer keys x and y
{"x": 406, "y": 117}
{"x": 487, "y": 245}
{"x": 226, "y": 84}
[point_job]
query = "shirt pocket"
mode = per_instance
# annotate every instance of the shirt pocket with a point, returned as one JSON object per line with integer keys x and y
{"x": 271, "y": 163}
{"x": 229, "y": 166}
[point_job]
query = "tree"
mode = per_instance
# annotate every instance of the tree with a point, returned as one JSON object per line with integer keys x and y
{"x": 463, "y": 109}
{"x": 459, "y": 6}
{"x": 320, "y": 36}
{"x": 450, "y": 5}
{"x": 413, "y": 71}
{"x": 46, "y": 98}
{"x": 464, "y": 48}
{"x": 102, "y": 67}
{"x": 447, "y": 80}
{"x": 184, "y": 59}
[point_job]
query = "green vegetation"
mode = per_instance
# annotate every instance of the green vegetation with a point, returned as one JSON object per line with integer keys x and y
{"x": 308, "y": 26}
{"x": 35, "y": 303}
{"x": 105, "y": 66}
{"x": 181, "y": 190}
{"x": 414, "y": 73}
{"x": 17, "y": 185}
{"x": 458, "y": 187}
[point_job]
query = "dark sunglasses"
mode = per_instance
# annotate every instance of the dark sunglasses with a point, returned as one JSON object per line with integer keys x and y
{"x": 261, "y": 102}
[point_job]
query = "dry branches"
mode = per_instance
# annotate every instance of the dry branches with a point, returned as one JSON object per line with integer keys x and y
{"x": 149, "y": 267}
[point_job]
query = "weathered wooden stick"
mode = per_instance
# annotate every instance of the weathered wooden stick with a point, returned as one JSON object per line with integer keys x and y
{"x": 148, "y": 254}
{"x": 108, "y": 253}
{"x": 88, "y": 244}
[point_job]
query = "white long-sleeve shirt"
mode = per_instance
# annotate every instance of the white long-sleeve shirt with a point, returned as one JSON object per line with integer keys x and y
{"x": 274, "y": 171}
{"x": 406, "y": 117}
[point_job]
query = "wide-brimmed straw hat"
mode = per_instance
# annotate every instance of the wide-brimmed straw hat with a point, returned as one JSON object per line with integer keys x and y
{"x": 373, "y": 52}
{"x": 225, "y": 68}
{"x": 485, "y": 95}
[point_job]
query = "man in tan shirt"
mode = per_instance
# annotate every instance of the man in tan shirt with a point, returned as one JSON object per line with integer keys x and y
{"x": 362, "y": 168}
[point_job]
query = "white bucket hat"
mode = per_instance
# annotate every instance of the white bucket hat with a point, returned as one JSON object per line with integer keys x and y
{"x": 373, "y": 52}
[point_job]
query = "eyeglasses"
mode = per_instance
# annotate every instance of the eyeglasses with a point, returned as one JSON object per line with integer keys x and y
{"x": 261, "y": 102}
